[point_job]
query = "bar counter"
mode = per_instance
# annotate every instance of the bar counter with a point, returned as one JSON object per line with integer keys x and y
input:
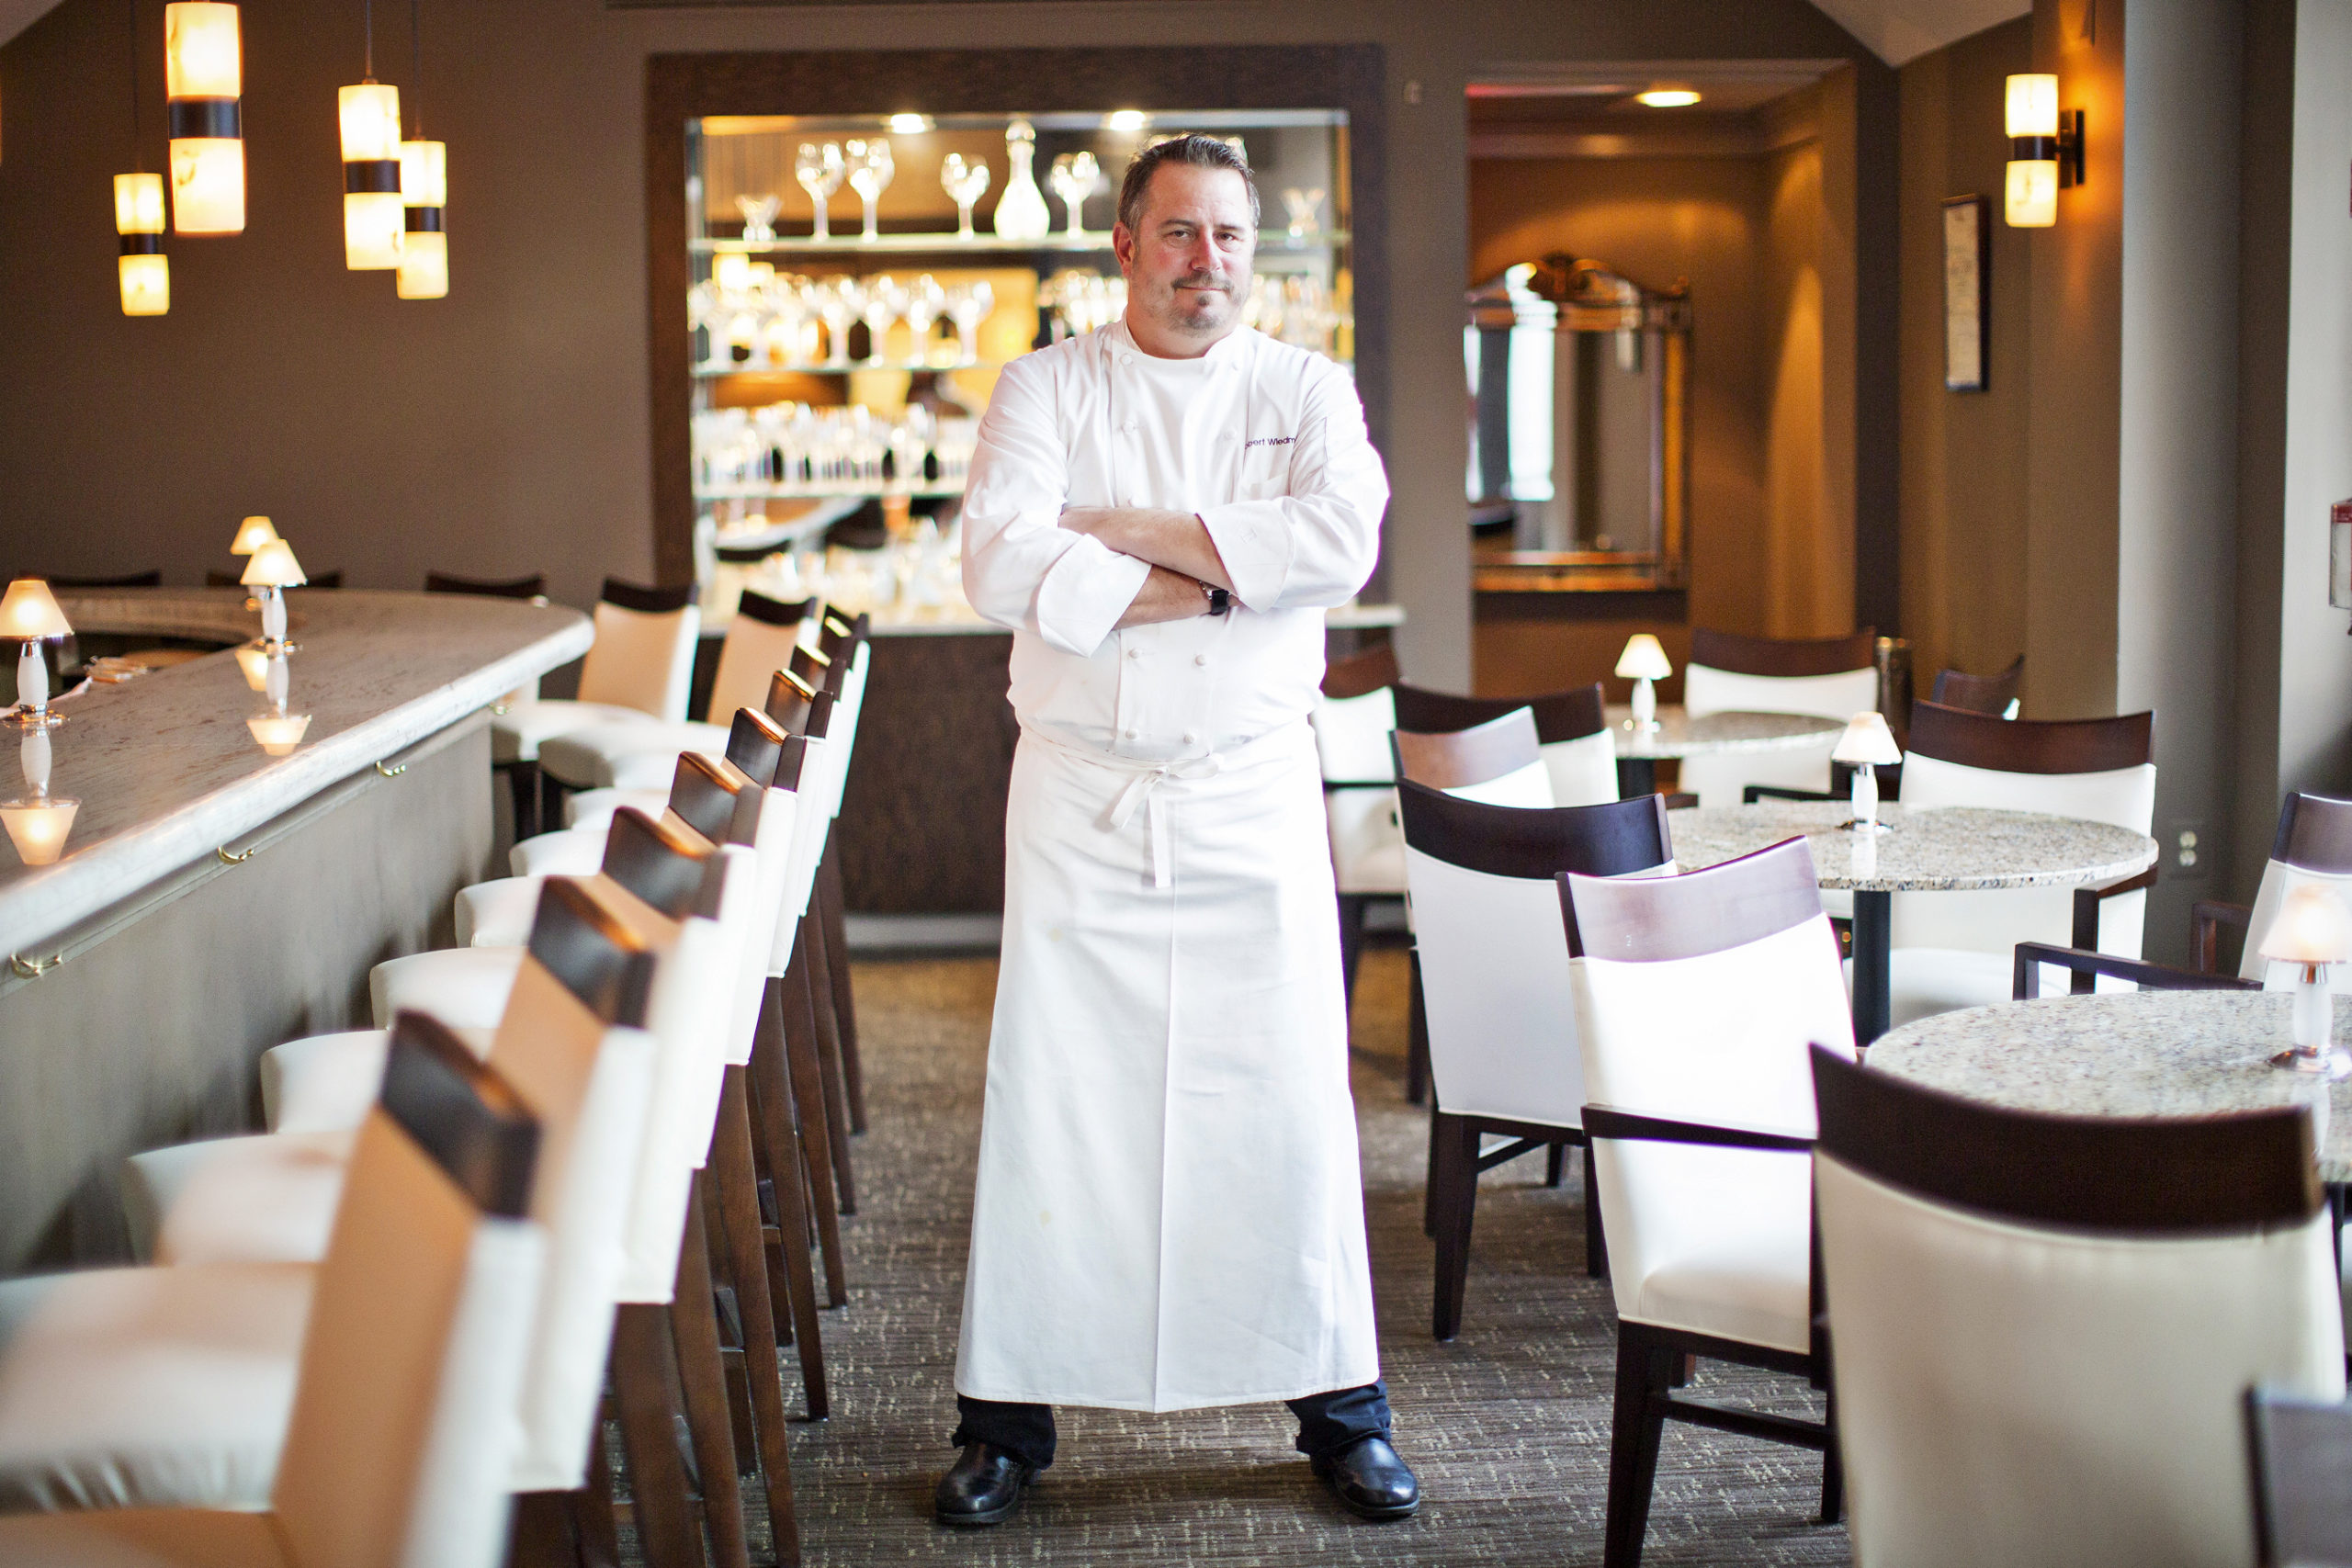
{"x": 213, "y": 899}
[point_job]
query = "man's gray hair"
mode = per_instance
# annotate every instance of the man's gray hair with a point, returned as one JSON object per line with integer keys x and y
{"x": 1199, "y": 150}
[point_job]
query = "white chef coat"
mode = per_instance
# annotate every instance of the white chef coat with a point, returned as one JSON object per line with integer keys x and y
{"x": 1168, "y": 1211}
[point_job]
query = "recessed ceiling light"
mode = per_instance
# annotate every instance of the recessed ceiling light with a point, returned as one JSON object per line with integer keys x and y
{"x": 1128, "y": 121}
{"x": 1668, "y": 98}
{"x": 910, "y": 124}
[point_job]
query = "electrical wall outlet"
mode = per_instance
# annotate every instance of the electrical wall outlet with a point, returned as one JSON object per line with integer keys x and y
{"x": 2183, "y": 849}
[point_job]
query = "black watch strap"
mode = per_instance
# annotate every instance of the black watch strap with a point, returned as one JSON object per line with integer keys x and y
{"x": 1220, "y": 599}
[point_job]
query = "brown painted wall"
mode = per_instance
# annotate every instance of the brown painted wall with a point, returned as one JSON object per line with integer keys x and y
{"x": 505, "y": 429}
{"x": 1963, "y": 474}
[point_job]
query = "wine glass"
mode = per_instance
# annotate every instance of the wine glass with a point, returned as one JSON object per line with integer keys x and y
{"x": 886, "y": 301}
{"x": 759, "y": 216}
{"x": 1304, "y": 207}
{"x": 964, "y": 185}
{"x": 1074, "y": 177}
{"x": 819, "y": 169}
{"x": 926, "y": 302}
{"x": 840, "y": 301}
{"x": 967, "y": 305}
{"x": 870, "y": 168}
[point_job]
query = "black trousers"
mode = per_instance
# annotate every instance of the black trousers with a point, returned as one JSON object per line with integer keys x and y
{"x": 1327, "y": 1423}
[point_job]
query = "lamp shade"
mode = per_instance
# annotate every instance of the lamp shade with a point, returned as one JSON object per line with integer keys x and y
{"x": 2032, "y": 106}
{"x": 374, "y": 216}
{"x": 203, "y": 76}
{"x": 1868, "y": 739}
{"x": 274, "y": 566}
{"x": 424, "y": 174}
{"x": 372, "y": 123}
{"x": 252, "y": 535}
{"x": 202, "y": 58}
{"x": 139, "y": 204}
{"x": 2312, "y": 927}
{"x": 146, "y": 282}
{"x": 2029, "y": 193}
{"x": 1642, "y": 660}
{"x": 278, "y": 733}
{"x": 39, "y": 828}
{"x": 29, "y": 613}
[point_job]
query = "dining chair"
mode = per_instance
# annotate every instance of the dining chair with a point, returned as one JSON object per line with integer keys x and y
{"x": 2301, "y": 1451}
{"x": 1995, "y": 694}
{"x": 2043, "y": 1327}
{"x": 1700, "y": 995}
{"x": 767, "y": 635}
{"x": 639, "y": 667}
{"x": 1956, "y": 950}
{"x": 1572, "y": 727}
{"x": 1832, "y": 678}
{"x": 2312, "y": 844}
{"x": 1353, "y": 712}
{"x": 1500, "y": 762}
{"x": 399, "y": 1430}
{"x": 1495, "y": 971}
{"x": 533, "y": 586}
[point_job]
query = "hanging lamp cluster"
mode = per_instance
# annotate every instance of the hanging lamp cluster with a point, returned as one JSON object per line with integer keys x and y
{"x": 394, "y": 190}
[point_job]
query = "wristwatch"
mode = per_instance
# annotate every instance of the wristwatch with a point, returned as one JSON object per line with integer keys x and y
{"x": 1220, "y": 599}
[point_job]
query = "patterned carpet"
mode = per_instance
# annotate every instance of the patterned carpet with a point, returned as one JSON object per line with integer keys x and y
{"x": 1508, "y": 1426}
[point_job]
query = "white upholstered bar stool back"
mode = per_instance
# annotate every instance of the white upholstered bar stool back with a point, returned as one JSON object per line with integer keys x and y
{"x": 1352, "y": 717}
{"x": 1572, "y": 727}
{"x": 2044, "y": 1328}
{"x": 1832, "y": 678}
{"x": 1499, "y": 762}
{"x": 402, "y": 1433}
{"x": 1958, "y": 950}
{"x": 641, "y": 667}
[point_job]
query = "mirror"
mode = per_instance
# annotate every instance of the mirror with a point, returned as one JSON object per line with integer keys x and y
{"x": 1579, "y": 473}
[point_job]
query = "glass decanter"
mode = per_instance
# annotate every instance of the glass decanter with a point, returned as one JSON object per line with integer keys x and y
{"x": 1020, "y": 211}
{"x": 870, "y": 168}
{"x": 819, "y": 169}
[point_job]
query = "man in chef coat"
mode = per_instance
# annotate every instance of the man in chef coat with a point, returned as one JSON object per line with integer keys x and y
{"x": 1169, "y": 1213}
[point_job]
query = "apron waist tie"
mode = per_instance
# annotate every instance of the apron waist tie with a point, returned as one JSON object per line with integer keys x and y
{"x": 1141, "y": 792}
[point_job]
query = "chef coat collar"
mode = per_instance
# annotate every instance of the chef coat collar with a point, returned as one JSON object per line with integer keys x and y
{"x": 1228, "y": 350}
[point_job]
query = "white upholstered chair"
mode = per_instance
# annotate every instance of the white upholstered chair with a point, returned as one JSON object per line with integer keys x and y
{"x": 1700, "y": 995}
{"x": 2044, "y": 1328}
{"x": 2313, "y": 844}
{"x": 1495, "y": 972}
{"x": 1571, "y": 726}
{"x": 1995, "y": 694}
{"x": 1826, "y": 677}
{"x": 1956, "y": 950}
{"x": 1352, "y": 715}
{"x": 398, "y": 1418}
{"x": 639, "y": 667}
{"x": 1499, "y": 762}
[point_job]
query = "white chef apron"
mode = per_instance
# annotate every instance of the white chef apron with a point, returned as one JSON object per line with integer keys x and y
{"x": 1170, "y": 1209}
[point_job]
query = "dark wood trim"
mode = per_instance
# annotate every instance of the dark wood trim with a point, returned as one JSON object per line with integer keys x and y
{"x": 770, "y": 611}
{"x": 1980, "y": 694}
{"x": 680, "y": 88}
{"x": 1648, "y": 920}
{"x": 1466, "y": 757}
{"x": 1783, "y": 657}
{"x": 2314, "y": 833}
{"x": 151, "y": 578}
{"x": 1602, "y": 1122}
{"x": 649, "y": 600}
{"x": 2086, "y": 901}
{"x": 1451, "y": 1199}
{"x": 655, "y": 861}
{"x": 1361, "y": 674}
{"x": 2238, "y": 1171}
{"x": 704, "y": 798}
{"x": 1559, "y": 715}
{"x": 754, "y": 746}
{"x": 2025, "y": 975}
{"x": 2033, "y": 745}
{"x": 1608, "y": 840}
{"x": 532, "y": 587}
{"x": 465, "y": 1116}
{"x": 592, "y": 954}
{"x": 2206, "y": 918}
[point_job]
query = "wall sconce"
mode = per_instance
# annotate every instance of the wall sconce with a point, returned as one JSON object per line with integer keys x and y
{"x": 273, "y": 569}
{"x": 29, "y": 614}
{"x": 203, "y": 78}
{"x": 2045, "y": 151}
{"x": 2313, "y": 932}
{"x": 1643, "y": 661}
{"x": 1867, "y": 745}
{"x": 145, "y": 272}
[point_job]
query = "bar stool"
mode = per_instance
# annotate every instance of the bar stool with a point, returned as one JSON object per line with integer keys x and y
{"x": 401, "y": 1437}
{"x": 534, "y": 587}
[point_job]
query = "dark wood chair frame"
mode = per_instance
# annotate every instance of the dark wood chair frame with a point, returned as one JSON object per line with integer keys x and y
{"x": 1783, "y": 657}
{"x": 1979, "y": 694}
{"x": 2314, "y": 834}
{"x": 1559, "y": 715}
{"x": 533, "y": 586}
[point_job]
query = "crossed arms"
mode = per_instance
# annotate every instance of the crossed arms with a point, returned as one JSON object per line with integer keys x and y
{"x": 1177, "y": 545}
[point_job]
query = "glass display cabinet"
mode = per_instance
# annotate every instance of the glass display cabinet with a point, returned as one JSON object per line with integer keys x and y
{"x": 857, "y": 283}
{"x": 1579, "y": 473}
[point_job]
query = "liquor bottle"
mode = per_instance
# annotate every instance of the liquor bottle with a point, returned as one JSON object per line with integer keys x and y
{"x": 1021, "y": 212}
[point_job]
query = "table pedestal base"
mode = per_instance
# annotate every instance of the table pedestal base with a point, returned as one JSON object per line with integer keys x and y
{"x": 1873, "y": 959}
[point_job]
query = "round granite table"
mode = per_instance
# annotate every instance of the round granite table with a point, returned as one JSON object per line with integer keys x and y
{"x": 1935, "y": 850}
{"x": 2133, "y": 1053}
{"x": 1678, "y": 735}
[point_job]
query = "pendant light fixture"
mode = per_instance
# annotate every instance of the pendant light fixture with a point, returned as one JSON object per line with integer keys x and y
{"x": 144, "y": 271}
{"x": 425, "y": 189}
{"x": 203, "y": 77}
{"x": 373, "y": 216}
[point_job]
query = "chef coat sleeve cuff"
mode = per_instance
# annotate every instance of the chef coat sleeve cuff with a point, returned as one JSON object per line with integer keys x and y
{"x": 1085, "y": 593}
{"x": 1253, "y": 539}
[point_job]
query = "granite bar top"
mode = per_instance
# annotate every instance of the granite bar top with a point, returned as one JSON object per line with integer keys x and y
{"x": 166, "y": 769}
{"x": 1679, "y": 735}
{"x": 2145, "y": 1053}
{"x": 1934, "y": 848}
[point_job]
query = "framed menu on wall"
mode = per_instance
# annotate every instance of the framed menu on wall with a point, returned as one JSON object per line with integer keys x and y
{"x": 1968, "y": 253}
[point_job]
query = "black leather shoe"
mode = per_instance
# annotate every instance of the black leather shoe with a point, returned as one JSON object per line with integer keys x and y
{"x": 1371, "y": 1481}
{"x": 983, "y": 1488}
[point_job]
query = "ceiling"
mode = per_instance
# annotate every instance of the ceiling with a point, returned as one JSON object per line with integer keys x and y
{"x": 1901, "y": 30}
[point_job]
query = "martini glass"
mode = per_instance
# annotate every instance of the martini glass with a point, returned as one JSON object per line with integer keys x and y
{"x": 964, "y": 185}
{"x": 1306, "y": 211}
{"x": 759, "y": 216}
{"x": 870, "y": 168}
{"x": 818, "y": 168}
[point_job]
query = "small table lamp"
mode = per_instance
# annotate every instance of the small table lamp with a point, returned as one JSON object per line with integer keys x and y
{"x": 30, "y": 614}
{"x": 2313, "y": 929}
{"x": 273, "y": 569}
{"x": 1867, "y": 744}
{"x": 252, "y": 535}
{"x": 39, "y": 822}
{"x": 1642, "y": 663}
